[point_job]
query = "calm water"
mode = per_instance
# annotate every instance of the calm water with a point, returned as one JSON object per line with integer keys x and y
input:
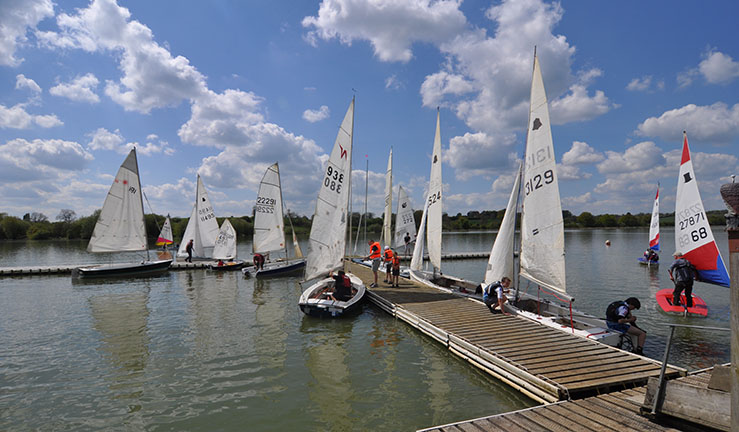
{"x": 195, "y": 350}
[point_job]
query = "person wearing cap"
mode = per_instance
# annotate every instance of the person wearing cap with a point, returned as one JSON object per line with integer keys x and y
{"x": 619, "y": 318}
{"x": 682, "y": 274}
{"x": 388, "y": 264}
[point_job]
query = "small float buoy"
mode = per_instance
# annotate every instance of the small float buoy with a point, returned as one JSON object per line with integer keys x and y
{"x": 608, "y": 242}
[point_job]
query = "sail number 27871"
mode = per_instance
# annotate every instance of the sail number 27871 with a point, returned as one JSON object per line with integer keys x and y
{"x": 538, "y": 181}
{"x": 334, "y": 179}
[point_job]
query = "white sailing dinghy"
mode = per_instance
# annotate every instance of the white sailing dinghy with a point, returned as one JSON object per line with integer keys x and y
{"x": 121, "y": 227}
{"x": 650, "y": 257}
{"x": 329, "y": 231}
{"x": 269, "y": 227}
{"x": 405, "y": 223}
{"x": 202, "y": 227}
{"x": 694, "y": 238}
{"x": 165, "y": 235}
{"x": 225, "y": 249}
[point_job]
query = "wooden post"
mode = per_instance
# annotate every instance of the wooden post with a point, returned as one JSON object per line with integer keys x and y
{"x": 730, "y": 194}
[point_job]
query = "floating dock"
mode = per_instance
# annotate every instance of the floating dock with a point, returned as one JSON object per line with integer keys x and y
{"x": 67, "y": 268}
{"x": 545, "y": 364}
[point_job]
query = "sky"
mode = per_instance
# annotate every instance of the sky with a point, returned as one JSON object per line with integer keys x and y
{"x": 226, "y": 88}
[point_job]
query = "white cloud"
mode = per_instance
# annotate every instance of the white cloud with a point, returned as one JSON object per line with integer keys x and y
{"x": 16, "y": 18}
{"x": 571, "y": 172}
{"x": 394, "y": 83}
{"x": 718, "y": 68}
{"x": 480, "y": 155}
{"x": 103, "y": 139}
{"x": 645, "y": 84}
{"x": 22, "y": 160}
{"x": 716, "y": 123}
{"x": 152, "y": 77}
{"x": 581, "y": 153}
{"x": 639, "y": 157}
{"x": 578, "y": 105}
{"x": 22, "y": 82}
{"x": 81, "y": 89}
{"x": 316, "y": 115}
{"x": 442, "y": 83}
{"x": 389, "y": 25}
{"x": 16, "y": 117}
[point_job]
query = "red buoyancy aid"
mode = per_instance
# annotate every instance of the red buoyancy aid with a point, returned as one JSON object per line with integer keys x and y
{"x": 375, "y": 250}
{"x": 389, "y": 255}
{"x": 347, "y": 281}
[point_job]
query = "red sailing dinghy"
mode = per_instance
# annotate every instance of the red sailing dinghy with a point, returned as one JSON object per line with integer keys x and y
{"x": 693, "y": 237}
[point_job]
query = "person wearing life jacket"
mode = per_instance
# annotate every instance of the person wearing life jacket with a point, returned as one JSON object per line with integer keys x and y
{"x": 388, "y": 265}
{"x": 494, "y": 295}
{"x": 258, "y": 261}
{"x": 376, "y": 257}
{"x": 619, "y": 318}
{"x": 342, "y": 287}
{"x": 395, "y": 264}
{"x": 682, "y": 273}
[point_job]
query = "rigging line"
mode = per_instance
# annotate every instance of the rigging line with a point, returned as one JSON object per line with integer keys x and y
{"x": 151, "y": 209}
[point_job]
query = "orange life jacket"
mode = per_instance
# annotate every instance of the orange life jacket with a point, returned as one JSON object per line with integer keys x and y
{"x": 389, "y": 255}
{"x": 396, "y": 261}
{"x": 375, "y": 250}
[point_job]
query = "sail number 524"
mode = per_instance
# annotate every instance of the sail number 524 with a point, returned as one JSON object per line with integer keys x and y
{"x": 334, "y": 179}
{"x": 538, "y": 181}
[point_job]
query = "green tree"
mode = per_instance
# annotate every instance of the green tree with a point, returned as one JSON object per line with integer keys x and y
{"x": 586, "y": 219}
{"x": 14, "y": 228}
{"x": 628, "y": 220}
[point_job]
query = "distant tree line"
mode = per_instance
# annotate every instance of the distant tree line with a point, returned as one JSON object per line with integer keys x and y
{"x": 37, "y": 226}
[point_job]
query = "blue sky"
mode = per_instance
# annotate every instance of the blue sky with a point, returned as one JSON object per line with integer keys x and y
{"x": 226, "y": 88}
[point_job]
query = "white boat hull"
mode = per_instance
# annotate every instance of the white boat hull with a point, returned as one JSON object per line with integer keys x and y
{"x": 315, "y": 303}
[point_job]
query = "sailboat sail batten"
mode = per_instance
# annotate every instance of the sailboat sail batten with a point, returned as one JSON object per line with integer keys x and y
{"x": 434, "y": 200}
{"x": 542, "y": 225}
{"x": 500, "y": 263}
{"x": 269, "y": 230}
{"x": 328, "y": 231}
{"x": 693, "y": 235}
{"x": 120, "y": 225}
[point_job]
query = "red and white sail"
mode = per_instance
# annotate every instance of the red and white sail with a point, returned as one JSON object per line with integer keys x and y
{"x": 654, "y": 225}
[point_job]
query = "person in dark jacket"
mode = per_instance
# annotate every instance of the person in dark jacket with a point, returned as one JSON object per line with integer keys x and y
{"x": 682, "y": 273}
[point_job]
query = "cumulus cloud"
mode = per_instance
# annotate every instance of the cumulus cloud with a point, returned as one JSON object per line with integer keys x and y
{"x": 571, "y": 172}
{"x": 645, "y": 84}
{"x": 22, "y": 82}
{"x": 316, "y": 115}
{"x": 581, "y": 153}
{"x": 479, "y": 154}
{"x": 23, "y": 160}
{"x": 718, "y": 68}
{"x": 717, "y": 123}
{"x": 16, "y": 19}
{"x": 81, "y": 89}
{"x": 390, "y": 26}
{"x": 16, "y": 117}
{"x": 152, "y": 77}
{"x": 578, "y": 105}
{"x": 394, "y": 83}
{"x": 639, "y": 157}
{"x": 103, "y": 139}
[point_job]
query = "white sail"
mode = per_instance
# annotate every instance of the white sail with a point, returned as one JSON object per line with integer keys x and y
{"x": 542, "y": 227}
{"x": 269, "y": 228}
{"x": 225, "y": 247}
{"x": 165, "y": 236}
{"x": 417, "y": 259}
{"x": 434, "y": 201}
{"x": 202, "y": 227}
{"x": 500, "y": 263}
{"x": 404, "y": 220}
{"x": 296, "y": 246}
{"x": 388, "y": 215}
{"x": 654, "y": 224}
{"x": 328, "y": 231}
{"x": 120, "y": 226}
{"x": 693, "y": 235}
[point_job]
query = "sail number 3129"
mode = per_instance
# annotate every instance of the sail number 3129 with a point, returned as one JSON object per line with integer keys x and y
{"x": 538, "y": 181}
{"x": 334, "y": 179}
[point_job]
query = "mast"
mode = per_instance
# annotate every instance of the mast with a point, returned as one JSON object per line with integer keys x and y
{"x": 282, "y": 210}
{"x": 366, "y": 185}
{"x": 349, "y": 194}
{"x": 141, "y": 198}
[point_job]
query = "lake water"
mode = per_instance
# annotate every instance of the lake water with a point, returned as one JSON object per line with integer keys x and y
{"x": 196, "y": 350}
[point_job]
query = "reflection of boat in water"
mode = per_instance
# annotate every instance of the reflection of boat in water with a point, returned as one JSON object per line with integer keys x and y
{"x": 121, "y": 227}
{"x": 329, "y": 231}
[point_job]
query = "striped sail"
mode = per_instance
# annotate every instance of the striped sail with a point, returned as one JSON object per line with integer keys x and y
{"x": 693, "y": 236}
{"x": 654, "y": 225}
{"x": 328, "y": 231}
{"x": 542, "y": 227}
{"x": 165, "y": 236}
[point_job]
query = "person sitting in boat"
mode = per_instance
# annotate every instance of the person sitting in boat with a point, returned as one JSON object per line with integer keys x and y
{"x": 220, "y": 263}
{"x": 651, "y": 256}
{"x": 258, "y": 261}
{"x": 494, "y": 295}
{"x": 619, "y": 318}
{"x": 342, "y": 287}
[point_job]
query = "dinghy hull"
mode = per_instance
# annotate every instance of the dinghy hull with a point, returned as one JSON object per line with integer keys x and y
{"x": 664, "y": 300}
{"x": 316, "y": 304}
{"x": 144, "y": 268}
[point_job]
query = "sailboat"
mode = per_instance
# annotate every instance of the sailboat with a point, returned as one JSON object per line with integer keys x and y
{"x": 694, "y": 238}
{"x": 165, "y": 235}
{"x": 650, "y": 257}
{"x": 328, "y": 231}
{"x": 387, "y": 217}
{"x": 225, "y": 249}
{"x": 202, "y": 226}
{"x": 269, "y": 229}
{"x": 121, "y": 227}
{"x": 405, "y": 223}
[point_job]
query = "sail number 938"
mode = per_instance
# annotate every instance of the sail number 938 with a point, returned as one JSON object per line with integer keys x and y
{"x": 334, "y": 179}
{"x": 538, "y": 181}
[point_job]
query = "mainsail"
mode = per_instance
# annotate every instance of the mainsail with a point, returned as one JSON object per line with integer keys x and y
{"x": 434, "y": 201}
{"x": 202, "y": 227}
{"x": 269, "y": 229}
{"x": 693, "y": 236}
{"x": 328, "y": 231}
{"x": 225, "y": 247}
{"x": 120, "y": 226}
{"x": 404, "y": 221}
{"x": 165, "y": 236}
{"x": 500, "y": 263}
{"x": 654, "y": 225}
{"x": 388, "y": 215}
{"x": 417, "y": 259}
{"x": 542, "y": 227}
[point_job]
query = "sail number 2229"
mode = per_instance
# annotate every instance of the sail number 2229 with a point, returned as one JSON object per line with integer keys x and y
{"x": 538, "y": 181}
{"x": 334, "y": 179}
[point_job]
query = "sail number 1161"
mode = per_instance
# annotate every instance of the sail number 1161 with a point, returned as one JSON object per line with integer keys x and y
{"x": 538, "y": 181}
